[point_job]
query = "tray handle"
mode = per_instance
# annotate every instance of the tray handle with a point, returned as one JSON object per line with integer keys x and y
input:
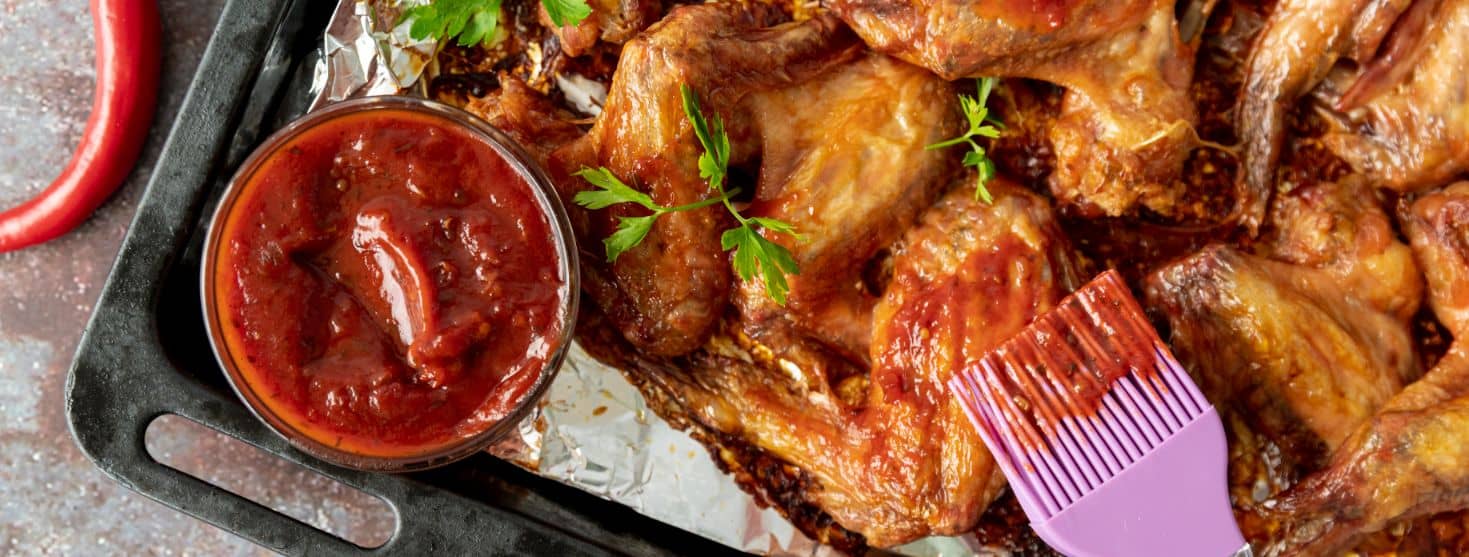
{"x": 426, "y": 525}
{"x": 225, "y": 509}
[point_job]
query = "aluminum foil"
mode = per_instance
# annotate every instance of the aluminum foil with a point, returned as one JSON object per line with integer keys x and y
{"x": 364, "y": 56}
{"x": 594, "y": 431}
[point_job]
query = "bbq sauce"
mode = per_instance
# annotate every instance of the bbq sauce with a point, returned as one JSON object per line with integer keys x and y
{"x": 388, "y": 284}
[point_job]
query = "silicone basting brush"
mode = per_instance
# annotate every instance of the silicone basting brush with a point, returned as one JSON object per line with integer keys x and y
{"x": 1107, "y": 443}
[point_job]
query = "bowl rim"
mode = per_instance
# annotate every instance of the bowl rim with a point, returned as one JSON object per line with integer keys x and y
{"x": 562, "y": 237}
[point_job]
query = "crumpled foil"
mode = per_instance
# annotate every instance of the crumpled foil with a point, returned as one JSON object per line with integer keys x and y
{"x": 360, "y": 58}
{"x": 594, "y": 431}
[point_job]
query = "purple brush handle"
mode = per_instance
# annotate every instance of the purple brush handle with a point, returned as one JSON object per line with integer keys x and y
{"x": 1173, "y": 501}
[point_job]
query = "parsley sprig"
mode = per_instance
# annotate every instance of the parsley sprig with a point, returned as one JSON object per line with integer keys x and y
{"x": 472, "y": 22}
{"x": 630, "y": 230}
{"x": 981, "y": 124}
{"x": 753, "y": 253}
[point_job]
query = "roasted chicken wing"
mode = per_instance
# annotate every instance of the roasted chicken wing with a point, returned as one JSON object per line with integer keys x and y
{"x": 1406, "y": 462}
{"x": 1302, "y": 359}
{"x": 1308, "y": 342}
{"x": 888, "y": 454}
{"x": 1300, "y": 42}
{"x": 1408, "y": 113}
{"x": 853, "y": 169}
{"x": 1126, "y": 120}
{"x": 666, "y": 294}
{"x": 1409, "y": 459}
{"x": 833, "y": 384}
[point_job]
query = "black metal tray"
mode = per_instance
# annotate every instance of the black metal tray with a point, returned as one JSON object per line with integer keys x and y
{"x": 145, "y": 353}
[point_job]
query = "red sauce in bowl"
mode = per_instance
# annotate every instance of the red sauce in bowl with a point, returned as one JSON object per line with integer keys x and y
{"x": 386, "y": 283}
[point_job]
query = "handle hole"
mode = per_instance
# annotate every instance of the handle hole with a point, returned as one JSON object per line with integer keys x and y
{"x": 295, "y": 491}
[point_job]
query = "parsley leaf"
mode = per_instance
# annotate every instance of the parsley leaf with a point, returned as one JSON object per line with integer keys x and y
{"x": 981, "y": 124}
{"x": 472, "y": 22}
{"x": 480, "y": 27}
{"x": 715, "y": 160}
{"x": 566, "y": 12}
{"x": 776, "y": 226}
{"x": 612, "y": 191}
{"x": 752, "y": 251}
{"x": 630, "y": 232}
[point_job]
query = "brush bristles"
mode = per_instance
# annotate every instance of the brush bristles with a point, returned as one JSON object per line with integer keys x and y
{"x": 1080, "y": 395}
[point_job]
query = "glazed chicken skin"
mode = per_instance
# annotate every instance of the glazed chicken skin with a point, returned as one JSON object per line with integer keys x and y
{"x": 1299, "y": 44}
{"x": 1409, "y": 111}
{"x": 1408, "y": 460}
{"x": 1308, "y": 342}
{"x": 724, "y": 51}
{"x": 1126, "y": 119}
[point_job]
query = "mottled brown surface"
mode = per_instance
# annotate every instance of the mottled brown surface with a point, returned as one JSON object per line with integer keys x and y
{"x": 53, "y": 501}
{"x": 1124, "y": 127}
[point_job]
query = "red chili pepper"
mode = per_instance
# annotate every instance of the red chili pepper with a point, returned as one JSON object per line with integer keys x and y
{"x": 127, "y": 88}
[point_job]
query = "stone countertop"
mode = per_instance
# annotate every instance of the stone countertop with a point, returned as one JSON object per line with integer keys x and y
{"x": 53, "y": 501}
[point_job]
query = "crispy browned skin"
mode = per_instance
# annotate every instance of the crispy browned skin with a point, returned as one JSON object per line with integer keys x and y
{"x": 1410, "y": 117}
{"x": 1300, "y": 42}
{"x": 1309, "y": 340}
{"x": 1126, "y": 121}
{"x": 1341, "y": 228}
{"x": 666, "y": 294}
{"x": 1438, "y": 227}
{"x": 1409, "y": 459}
{"x": 531, "y": 119}
{"x": 1302, "y": 359}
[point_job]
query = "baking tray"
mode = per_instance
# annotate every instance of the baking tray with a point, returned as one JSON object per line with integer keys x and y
{"x": 145, "y": 354}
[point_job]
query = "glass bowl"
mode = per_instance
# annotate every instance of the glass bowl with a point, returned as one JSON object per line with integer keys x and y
{"x": 551, "y": 208}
